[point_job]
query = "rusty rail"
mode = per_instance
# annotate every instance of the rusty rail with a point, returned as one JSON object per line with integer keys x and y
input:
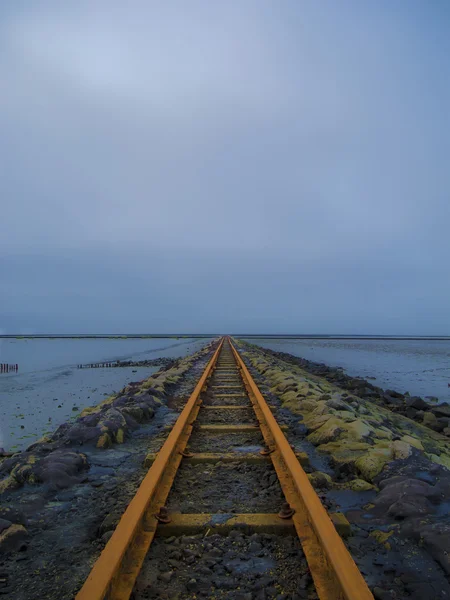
{"x": 115, "y": 571}
{"x": 334, "y": 571}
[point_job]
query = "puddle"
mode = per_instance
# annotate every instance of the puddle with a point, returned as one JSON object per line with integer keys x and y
{"x": 249, "y": 449}
{"x": 221, "y": 519}
{"x": 254, "y": 565}
{"x": 347, "y": 500}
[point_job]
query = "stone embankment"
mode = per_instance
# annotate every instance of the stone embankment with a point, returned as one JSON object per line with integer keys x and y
{"x": 424, "y": 411}
{"x": 382, "y": 463}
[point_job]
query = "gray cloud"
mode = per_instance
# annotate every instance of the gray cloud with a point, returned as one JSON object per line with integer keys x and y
{"x": 224, "y": 166}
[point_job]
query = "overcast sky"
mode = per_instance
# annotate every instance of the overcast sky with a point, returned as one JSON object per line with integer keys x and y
{"x": 233, "y": 166}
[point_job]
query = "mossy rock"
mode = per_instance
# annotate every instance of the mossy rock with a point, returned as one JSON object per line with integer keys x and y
{"x": 401, "y": 449}
{"x": 443, "y": 459}
{"x": 328, "y": 432}
{"x": 409, "y": 439}
{"x": 8, "y": 484}
{"x": 104, "y": 441}
{"x": 357, "y": 485}
{"x": 319, "y": 479}
{"x": 382, "y": 537}
{"x": 372, "y": 463}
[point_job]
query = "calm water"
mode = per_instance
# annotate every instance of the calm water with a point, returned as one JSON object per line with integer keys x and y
{"x": 421, "y": 367}
{"x": 49, "y": 389}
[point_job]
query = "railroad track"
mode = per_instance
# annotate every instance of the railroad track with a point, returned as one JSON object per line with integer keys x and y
{"x": 226, "y": 475}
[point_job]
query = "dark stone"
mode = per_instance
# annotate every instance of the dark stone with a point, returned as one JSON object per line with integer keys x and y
{"x": 380, "y": 594}
{"x": 403, "y": 497}
{"x": 81, "y": 434}
{"x": 410, "y": 412}
{"x": 392, "y": 401}
{"x": 4, "y": 524}
{"x": 394, "y": 394}
{"x": 442, "y": 410}
{"x": 417, "y": 403}
{"x": 13, "y": 539}
{"x": 10, "y": 513}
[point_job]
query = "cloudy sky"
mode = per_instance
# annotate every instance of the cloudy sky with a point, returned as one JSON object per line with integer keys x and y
{"x": 232, "y": 166}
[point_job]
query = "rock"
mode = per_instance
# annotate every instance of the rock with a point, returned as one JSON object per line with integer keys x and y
{"x": 401, "y": 449}
{"x": 58, "y": 468}
{"x": 442, "y": 410}
{"x": 411, "y": 413}
{"x": 109, "y": 523}
{"x": 404, "y": 497}
{"x": 167, "y": 576}
{"x": 13, "y": 538}
{"x": 394, "y": 394}
{"x": 409, "y": 439}
{"x": 320, "y": 480}
{"x": 435, "y": 537}
{"x": 337, "y": 403}
{"x": 104, "y": 441}
{"x": 380, "y": 594}
{"x": 370, "y": 464}
{"x": 120, "y": 436}
{"x": 254, "y": 547}
{"x": 417, "y": 403}
{"x": 341, "y": 524}
{"x": 358, "y": 485}
{"x": 430, "y": 420}
{"x": 382, "y": 537}
{"x": 4, "y": 524}
{"x": 392, "y": 401}
{"x": 328, "y": 432}
{"x": 191, "y": 585}
{"x": 446, "y": 431}
{"x": 12, "y": 514}
{"x": 107, "y": 536}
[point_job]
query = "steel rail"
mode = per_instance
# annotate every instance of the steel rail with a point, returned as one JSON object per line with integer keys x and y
{"x": 115, "y": 571}
{"x": 334, "y": 571}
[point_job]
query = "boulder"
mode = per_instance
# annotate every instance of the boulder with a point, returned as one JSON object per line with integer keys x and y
{"x": 417, "y": 403}
{"x": 372, "y": 462}
{"x": 405, "y": 497}
{"x": 320, "y": 480}
{"x": 59, "y": 468}
{"x": 430, "y": 420}
{"x": 394, "y": 394}
{"x": 435, "y": 537}
{"x": 4, "y": 524}
{"x": 13, "y": 539}
{"x": 442, "y": 410}
{"x": 392, "y": 400}
{"x": 411, "y": 412}
{"x": 81, "y": 434}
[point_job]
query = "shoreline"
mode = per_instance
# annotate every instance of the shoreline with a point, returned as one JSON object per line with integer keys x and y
{"x": 412, "y": 407}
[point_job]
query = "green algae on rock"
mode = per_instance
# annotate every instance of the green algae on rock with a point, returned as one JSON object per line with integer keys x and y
{"x": 359, "y": 436}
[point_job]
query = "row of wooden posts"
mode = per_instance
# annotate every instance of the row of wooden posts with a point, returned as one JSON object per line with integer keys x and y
{"x": 97, "y": 365}
{"x": 5, "y": 368}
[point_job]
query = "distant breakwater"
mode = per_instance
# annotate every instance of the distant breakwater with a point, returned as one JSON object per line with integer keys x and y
{"x": 156, "y": 362}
